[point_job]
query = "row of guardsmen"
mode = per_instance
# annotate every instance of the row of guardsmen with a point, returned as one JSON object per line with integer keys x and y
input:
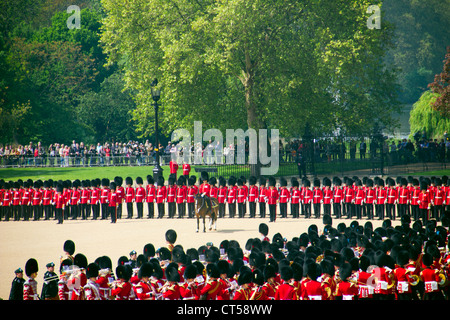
{"x": 344, "y": 263}
{"x": 422, "y": 198}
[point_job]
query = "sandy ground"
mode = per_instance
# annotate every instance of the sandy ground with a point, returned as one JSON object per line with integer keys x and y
{"x": 43, "y": 240}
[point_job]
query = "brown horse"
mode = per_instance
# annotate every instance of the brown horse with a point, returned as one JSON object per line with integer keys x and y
{"x": 202, "y": 210}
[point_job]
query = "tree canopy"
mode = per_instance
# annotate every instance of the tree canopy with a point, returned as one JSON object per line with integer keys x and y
{"x": 253, "y": 63}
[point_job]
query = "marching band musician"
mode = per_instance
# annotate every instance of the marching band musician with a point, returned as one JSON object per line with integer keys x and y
{"x": 121, "y": 289}
{"x": 30, "y": 285}
{"x": 64, "y": 292}
{"x": 171, "y": 290}
{"x": 190, "y": 290}
{"x": 78, "y": 279}
{"x": 144, "y": 290}
{"x": 92, "y": 289}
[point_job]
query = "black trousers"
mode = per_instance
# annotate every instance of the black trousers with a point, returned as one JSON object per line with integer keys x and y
{"x": 415, "y": 212}
{"x": 16, "y": 212}
{"x": 241, "y": 209}
{"x": 232, "y": 209}
{"x": 140, "y": 209}
{"x": 295, "y": 210}
{"x": 221, "y": 210}
{"x": 181, "y": 209}
{"x": 327, "y": 209}
{"x": 307, "y": 208}
{"x": 390, "y": 211}
{"x": 85, "y": 208}
{"x": 262, "y": 209}
{"x": 104, "y": 210}
{"x": 369, "y": 210}
{"x": 379, "y": 210}
{"x": 316, "y": 210}
{"x": 37, "y": 212}
{"x": 358, "y": 210}
{"x": 113, "y": 213}
{"x": 191, "y": 209}
{"x": 252, "y": 208}
{"x": 161, "y": 210}
{"x": 272, "y": 212}
{"x": 47, "y": 211}
{"x": 59, "y": 215}
{"x": 151, "y": 210}
{"x": 130, "y": 210}
{"x": 95, "y": 211}
{"x": 172, "y": 209}
{"x": 283, "y": 210}
{"x": 337, "y": 210}
{"x": 25, "y": 212}
{"x": 74, "y": 211}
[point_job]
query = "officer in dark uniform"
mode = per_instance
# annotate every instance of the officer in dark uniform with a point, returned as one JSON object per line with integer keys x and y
{"x": 50, "y": 286}
{"x": 17, "y": 286}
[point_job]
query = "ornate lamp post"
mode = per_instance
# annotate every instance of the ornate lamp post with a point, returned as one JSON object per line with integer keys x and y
{"x": 156, "y": 94}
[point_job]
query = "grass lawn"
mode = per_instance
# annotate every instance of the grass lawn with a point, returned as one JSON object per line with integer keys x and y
{"x": 81, "y": 173}
{"x": 436, "y": 173}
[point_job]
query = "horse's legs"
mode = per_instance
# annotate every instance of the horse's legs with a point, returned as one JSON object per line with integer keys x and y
{"x": 210, "y": 223}
{"x": 198, "y": 222}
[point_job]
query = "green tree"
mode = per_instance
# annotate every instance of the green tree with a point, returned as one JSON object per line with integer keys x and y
{"x": 106, "y": 114}
{"x": 425, "y": 119}
{"x": 421, "y": 37}
{"x": 252, "y": 63}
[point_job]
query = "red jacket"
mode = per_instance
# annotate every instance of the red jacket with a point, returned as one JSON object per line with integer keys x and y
{"x": 317, "y": 195}
{"x": 36, "y": 197}
{"x": 284, "y": 195}
{"x": 232, "y": 195}
{"x": 161, "y": 194}
{"x": 338, "y": 195}
{"x": 151, "y": 193}
{"x": 181, "y": 194}
{"x": 349, "y": 195}
{"x": 129, "y": 194}
{"x": 262, "y": 197}
{"x": 104, "y": 192}
{"x": 404, "y": 195}
{"x": 74, "y": 197}
{"x": 191, "y": 192}
{"x": 327, "y": 195}
{"x": 272, "y": 195}
{"x": 295, "y": 196}
{"x": 139, "y": 195}
{"x": 85, "y": 196}
{"x": 381, "y": 195}
{"x": 252, "y": 194}
{"x": 222, "y": 194}
{"x": 173, "y": 167}
{"x": 424, "y": 200}
{"x": 171, "y": 193}
{"x": 95, "y": 195}
{"x": 186, "y": 169}
{"x": 360, "y": 196}
{"x": 241, "y": 195}
{"x": 392, "y": 196}
{"x": 370, "y": 196}
{"x": 308, "y": 196}
{"x": 439, "y": 197}
{"x": 16, "y": 197}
